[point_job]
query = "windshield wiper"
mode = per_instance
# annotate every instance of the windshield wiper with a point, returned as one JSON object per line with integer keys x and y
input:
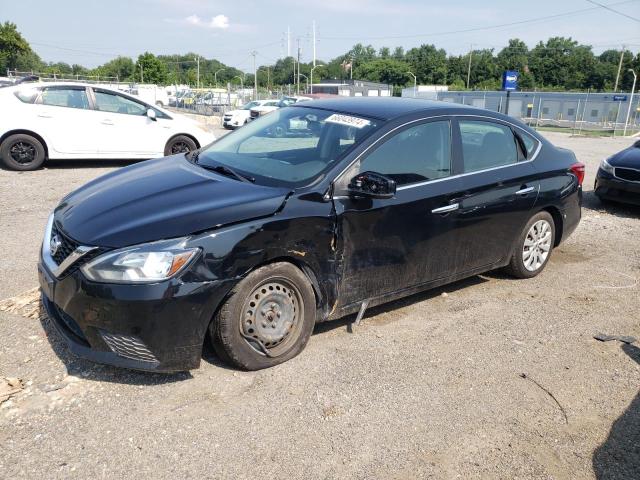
{"x": 229, "y": 172}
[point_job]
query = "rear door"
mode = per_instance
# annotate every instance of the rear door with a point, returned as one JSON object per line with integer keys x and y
{"x": 499, "y": 187}
{"x": 64, "y": 115}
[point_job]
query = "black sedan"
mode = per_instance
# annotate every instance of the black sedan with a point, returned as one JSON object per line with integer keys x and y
{"x": 252, "y": 240}
{"x": 618, "y": 178}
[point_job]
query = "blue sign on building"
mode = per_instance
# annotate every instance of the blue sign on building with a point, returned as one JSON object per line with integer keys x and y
{"x": 510, "y": 80}
{"x": 619, "y": 98}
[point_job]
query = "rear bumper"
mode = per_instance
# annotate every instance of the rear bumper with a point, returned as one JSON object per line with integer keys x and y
{"x": 611, "y": 188}
{"x": 156, "y": 327}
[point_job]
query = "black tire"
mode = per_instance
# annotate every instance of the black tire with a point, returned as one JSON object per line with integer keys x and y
{"x": 235, "y": 325}
{"x": 179, "y": 144}
{"x": 517, "y": 267}
{"x": 22, "y": 152}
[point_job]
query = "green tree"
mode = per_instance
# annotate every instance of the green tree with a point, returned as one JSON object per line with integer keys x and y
{"x": 150, "y": 69}
{"x": 384, "y": 70}
{"x": 428, "y": 63}
{"x": 12, "y": 46}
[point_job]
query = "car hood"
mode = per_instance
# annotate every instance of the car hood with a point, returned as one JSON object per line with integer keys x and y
{"x": 236, "y": 112}
{"x": 629, "y": 158}
{"x": 157, "y": 199}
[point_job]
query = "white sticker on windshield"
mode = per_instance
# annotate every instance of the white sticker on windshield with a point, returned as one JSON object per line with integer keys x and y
{"x": 348, "y": 120}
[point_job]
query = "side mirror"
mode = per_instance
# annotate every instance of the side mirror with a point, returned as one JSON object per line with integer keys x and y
{"x": 151, "y": 114}
{"x": 372, "y": 185}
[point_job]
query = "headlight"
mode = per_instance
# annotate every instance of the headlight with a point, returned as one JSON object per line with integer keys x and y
{"x": 153, "y": 262}
{"x": 606, "y": 166}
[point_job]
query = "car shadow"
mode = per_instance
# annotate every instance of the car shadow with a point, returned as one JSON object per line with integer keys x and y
{"x": 87, "y": 163}
{"x": 623, "y": 210}
{"x": 328, "y": 326}
{"x": 619, "y": 455}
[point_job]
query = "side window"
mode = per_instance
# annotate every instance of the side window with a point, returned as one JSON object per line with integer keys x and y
{"x": 487, "y": 145}
{"x": 65, "y": 97}
{"x": 415, "y": 154}
{"x": 114, "y": 103}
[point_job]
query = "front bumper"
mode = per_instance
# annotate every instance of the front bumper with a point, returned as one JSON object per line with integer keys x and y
{"x": 155, "y": 327}
{"x": 612, "y": 188}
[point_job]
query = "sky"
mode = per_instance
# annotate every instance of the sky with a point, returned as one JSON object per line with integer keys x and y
{"x": 91, "y": 32}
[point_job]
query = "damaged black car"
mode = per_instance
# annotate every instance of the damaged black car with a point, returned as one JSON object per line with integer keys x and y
{"x": 308, "y": 214}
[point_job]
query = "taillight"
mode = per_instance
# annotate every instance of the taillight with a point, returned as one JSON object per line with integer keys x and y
{"x": 578, "y": 170}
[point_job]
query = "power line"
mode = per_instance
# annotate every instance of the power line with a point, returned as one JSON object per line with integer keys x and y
{"x": 478, "y": 29}
{"x": 607, "y": 7}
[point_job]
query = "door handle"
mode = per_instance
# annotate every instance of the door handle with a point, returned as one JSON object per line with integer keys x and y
{"x": 524, "y": 191}
{"x": 107, "y": 122}
{"x": 44, "y": 115}
{"x": 447, "y": 208}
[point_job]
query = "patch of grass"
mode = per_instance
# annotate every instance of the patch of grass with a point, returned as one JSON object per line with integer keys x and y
{"x": 586, "y": 133}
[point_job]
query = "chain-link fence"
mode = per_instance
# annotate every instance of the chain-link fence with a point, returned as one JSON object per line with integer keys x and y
{"x": 597, "y": 113}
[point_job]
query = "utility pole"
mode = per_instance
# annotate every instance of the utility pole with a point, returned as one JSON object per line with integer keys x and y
{"x": 288, "y": 41}
{"x": 298, "y": 75}
{"x": 469, "y": 67}
{"x": 255, "y": 76}
{"x": 633, "y": 89}
{"x": 141, "y": 74}
{"x": 615, "y": 88}
{"x": 314, "y": 43}
{"x": 198, "y": 71}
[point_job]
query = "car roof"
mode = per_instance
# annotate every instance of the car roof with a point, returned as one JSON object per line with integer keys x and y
{"x": 386, "y": 108}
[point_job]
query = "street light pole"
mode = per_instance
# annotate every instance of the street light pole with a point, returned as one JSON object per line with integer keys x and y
{"x": 312, "y": 76}
{"x": 633, "y": 89}
{"x": 215, "y": 76}
{"x": 307, "y": 79}
{"x": 415, "y": 82}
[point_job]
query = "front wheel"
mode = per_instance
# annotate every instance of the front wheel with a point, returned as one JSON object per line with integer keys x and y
{"x": 267, "y": 319}
{"x": 179, "y": 144}
{"x": 534, "y": 247}
{"x": 22, "y": 152}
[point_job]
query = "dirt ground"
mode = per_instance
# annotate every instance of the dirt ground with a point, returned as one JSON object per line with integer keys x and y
{"x": 487, "y": 378}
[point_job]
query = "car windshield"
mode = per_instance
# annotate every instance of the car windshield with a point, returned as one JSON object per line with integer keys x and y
{"x": 249, "y": 106}
{"x": 290, "y": 147}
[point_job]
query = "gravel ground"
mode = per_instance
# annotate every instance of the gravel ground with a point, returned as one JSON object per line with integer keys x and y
{"x": 487, "y": 378}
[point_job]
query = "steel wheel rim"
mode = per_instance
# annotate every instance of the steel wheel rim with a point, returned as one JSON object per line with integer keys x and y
{"x": 179, "y": 147}
{"x": 23, "y": 152}
{"x": 537, "y": 245}
{"x": 272, "y": 316}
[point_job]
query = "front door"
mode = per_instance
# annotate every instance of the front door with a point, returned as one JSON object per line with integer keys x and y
{"x": 125, "y": 128}
{"x": 392, "y": 244}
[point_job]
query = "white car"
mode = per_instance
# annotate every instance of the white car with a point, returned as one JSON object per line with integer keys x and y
{"x": 283, "y": 102}
{"x": 237, "y": 118}
{"x": 42, "y": 121}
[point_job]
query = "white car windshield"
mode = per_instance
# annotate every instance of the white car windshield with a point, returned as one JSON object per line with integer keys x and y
{"x": 290, "y": 147}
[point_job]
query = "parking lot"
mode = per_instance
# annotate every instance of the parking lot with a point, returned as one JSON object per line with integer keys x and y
{"x": 486, "y": 378}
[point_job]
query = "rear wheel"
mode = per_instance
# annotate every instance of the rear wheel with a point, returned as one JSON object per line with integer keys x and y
{"x": 267, "y": 319}
{"x": 179, "y": 144}
{"x": 534, "y": 247}
{"x": 22, "y": 152}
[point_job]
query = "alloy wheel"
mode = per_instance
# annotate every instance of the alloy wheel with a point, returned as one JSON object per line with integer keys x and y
{"x": 537, "y": 245}
{"x": 23, "y": 152}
